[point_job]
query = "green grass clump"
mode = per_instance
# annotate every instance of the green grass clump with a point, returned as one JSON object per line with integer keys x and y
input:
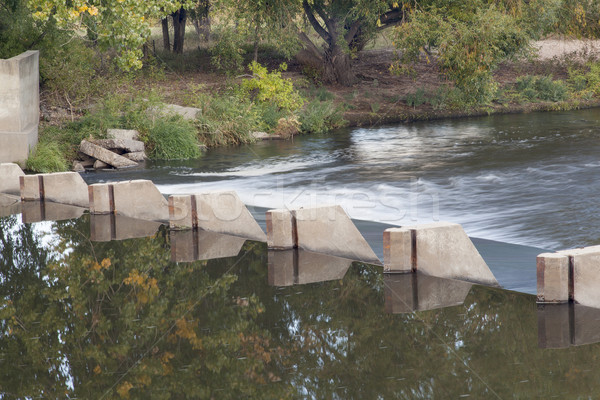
{"x": 47, "y": 157}
{"x": 320, "y": 117}
{"x": 541, "y": 88}
{"x": 172, "y": 138}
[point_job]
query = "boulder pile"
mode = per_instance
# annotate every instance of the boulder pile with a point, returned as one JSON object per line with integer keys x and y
{"x": 122, "y": 149}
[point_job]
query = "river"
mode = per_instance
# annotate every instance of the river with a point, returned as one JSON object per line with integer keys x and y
{"x": 528, "y": 179}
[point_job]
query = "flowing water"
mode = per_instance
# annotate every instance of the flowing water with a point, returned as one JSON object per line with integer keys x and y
{"x": 528, "y": 179}
{"x": 171, "y": 316}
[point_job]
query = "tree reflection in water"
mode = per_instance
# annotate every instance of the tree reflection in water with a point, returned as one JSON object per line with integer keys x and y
{"x": 121, "y": 320}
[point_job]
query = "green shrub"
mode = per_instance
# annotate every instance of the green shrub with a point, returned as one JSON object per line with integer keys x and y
{"x": 270, "y": 87}
{"x": 585, "y": 82}
{"x": 321, "y": 117}
{"x": 227, "y": 53}
{"x": 172, "y": 138}
{"x": 47, "y": 157}
{"x": 543, "y": 88}
{"x": 227, "y": 119}
{"x": 416, "y": 99}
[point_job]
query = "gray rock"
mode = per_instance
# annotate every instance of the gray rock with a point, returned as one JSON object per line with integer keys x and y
{"x": 78, "y": 167}
{"x": 136, "y": 156}
{"x": 105, "y": 155}
{"x": 100, "y": 165}
{"x": 127, "y": 145}
{"x": 124, "y": 134}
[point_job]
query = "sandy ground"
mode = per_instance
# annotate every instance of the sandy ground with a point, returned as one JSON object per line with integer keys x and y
{"x": 557, "y": 48}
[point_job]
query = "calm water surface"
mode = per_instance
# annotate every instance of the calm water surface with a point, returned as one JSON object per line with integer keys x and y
{"x": 87, "y": 319}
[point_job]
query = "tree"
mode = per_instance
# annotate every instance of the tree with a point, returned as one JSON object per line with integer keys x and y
{"x": 471, "y": 38}
{"x": 121, "y": 24}
{"x": 345, "y": 27}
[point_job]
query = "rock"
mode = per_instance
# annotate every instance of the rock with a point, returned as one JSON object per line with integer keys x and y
{"x": 100, "y": 165}
{"x": 129, "y": 146}
{"x": 264, "y": 136}
{"x": 136, "y": 156}
{"x": 104, "y": 155}
{"x": 123, "y": 134}
{"x": 189, "y": 113}
{"x": 78, "y": 167}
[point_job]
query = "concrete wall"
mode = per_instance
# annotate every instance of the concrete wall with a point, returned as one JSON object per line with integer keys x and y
{"x": 9, "y": 178}
{"x": 220, "y": 211}
{"x": 569, "y": 275}
{"x": 440, "y": 249}
{"x": 138, "y": 199}
{"x": 60, "y": 187}
{"x": 19, "y": 106}
{"x": 326, "y": 229}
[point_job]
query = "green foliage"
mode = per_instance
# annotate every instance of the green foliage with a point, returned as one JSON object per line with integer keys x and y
{"x": 172, "y": 138}
{"x": 471, "y": 45}
{"x": 47, "y": 157}
{"x": 585, "y": 82}
{"x": 227, "y": 119}
{"x": 321, "y": 117}
{"x": 270, "y": 87}
{"x": 541, "y": 88}
{"x": 227, "y": 54}
{"x": 416, "y": 99}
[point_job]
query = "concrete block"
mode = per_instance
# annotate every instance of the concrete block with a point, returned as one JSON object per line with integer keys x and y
{"x": 19, "y": 106}
{"x": 406, "y": 293}
{"x": 329, "y": 230}
{"x": 440, "y": 249}
{"x": 30, "y": 187}
{"x": 189, "y": 113}
{"x": 104, "y": 155}
{"x": 60, "y": 187}
{"x": 66, "y": 188}
{"x": 182, "y": 212}
{"x": 140, "y": 199}
{"x": 125, "y": 134}
{"x": 281, "y": 229}
{"x": 301, "y": 267}
{"x": 9, "y": 178}
{"x": 9, "y": 205}
{"x": 136, "y": 156}
{"x": 397, "y": 250}
{"x": 107, "y": 227}
{"x": 552, "y": 278}
{"x": 194, "y": 245}
{"x": 584, "y": 275}
{"x": 37, "y": 211}
{"x": 224, "y": 212}
{"x": 101, "y": 198}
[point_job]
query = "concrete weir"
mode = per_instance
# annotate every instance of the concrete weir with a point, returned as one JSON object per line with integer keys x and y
{"x": 221, "y": 212}
{"x": 326, "y": 230}
{"x": 60, "y": 187}
{"x": 569, "y": 275}
{"x": 9, "y": 178}
{"x": 138, "y": 199}
{"x": 440, "y": 249}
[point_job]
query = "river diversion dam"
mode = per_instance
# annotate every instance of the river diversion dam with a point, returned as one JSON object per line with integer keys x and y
{"x": 304, "y": 300}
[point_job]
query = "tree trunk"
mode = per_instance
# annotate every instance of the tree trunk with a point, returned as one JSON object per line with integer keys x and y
{"x": 202, "y": 20}
{"x": 337, "y": 67}
{"x": 256, "y": 40}
{"x": 179, "y": 20}
{"x": 165, "y": 32}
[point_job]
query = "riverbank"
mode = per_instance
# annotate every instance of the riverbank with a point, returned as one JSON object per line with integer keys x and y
{"x": 564, "y": 75}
